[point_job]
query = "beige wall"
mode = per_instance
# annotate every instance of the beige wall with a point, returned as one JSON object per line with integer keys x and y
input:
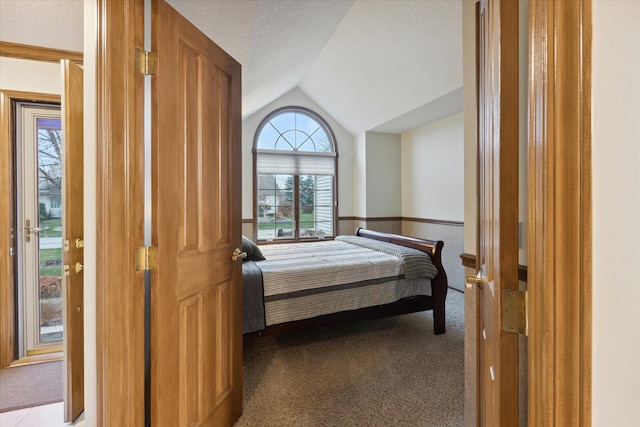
{"x": 359, "y": 174}
{"x": 344, "y": 139}
{"x": 452, "y": 236}
{"x": 432, "y": 184}
{"x": 616, "y": 212}
{"x": 30, "y": 76}
{"x": 433, "y": 170}
{"x": 383, "y": 175}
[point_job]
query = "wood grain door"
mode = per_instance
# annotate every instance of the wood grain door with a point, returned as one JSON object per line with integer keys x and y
{"x": 73, "y": 231}
{"x": 196, "y": 348}
{"x": 498, "y": 209}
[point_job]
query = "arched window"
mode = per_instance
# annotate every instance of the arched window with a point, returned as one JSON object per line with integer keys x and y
{"x": 295, "y": 161}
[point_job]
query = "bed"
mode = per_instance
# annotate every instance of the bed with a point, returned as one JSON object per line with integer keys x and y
{"x": 298, "y": 286}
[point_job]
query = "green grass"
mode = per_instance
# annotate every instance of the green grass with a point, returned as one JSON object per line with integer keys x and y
{"x": 304, "y": 219}
{"x": 50, "y": 255}
{"x": 54, "y": 230}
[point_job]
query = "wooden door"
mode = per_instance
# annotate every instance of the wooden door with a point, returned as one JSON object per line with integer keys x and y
{"x": 73, "y": 231}
{"x": 498, "y": 209}
{"x": 196, "y": 347}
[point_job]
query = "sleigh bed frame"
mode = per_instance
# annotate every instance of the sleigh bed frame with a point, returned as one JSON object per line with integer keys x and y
{"x": 435, "y": 302}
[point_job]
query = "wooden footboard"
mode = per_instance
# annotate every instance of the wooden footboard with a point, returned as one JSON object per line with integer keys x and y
{"x": 436, "y": 302}
{"x": 439, "y": 285}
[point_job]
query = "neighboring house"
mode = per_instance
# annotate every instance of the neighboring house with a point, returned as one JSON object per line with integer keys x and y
{"x": 52, "y": 203}
{"x": 49, "y": 192}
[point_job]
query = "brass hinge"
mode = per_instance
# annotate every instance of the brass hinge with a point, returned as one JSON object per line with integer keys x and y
{"x": 146, "y": 258}
{"x": 514, "y": 311}
{"x": 146, "y": 62}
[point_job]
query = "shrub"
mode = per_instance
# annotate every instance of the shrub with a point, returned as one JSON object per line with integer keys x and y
{"x": 43, "y": 212}
{"x": 50, "y": 287}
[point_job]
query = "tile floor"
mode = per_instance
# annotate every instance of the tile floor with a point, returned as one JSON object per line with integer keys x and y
{"x": 38, "y": 416}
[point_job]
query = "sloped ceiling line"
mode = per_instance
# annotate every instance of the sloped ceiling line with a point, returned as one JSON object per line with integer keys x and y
{"x": 371, "y": 64}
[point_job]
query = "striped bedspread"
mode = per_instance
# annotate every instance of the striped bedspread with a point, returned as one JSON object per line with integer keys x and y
{"x": 305, "y": 280}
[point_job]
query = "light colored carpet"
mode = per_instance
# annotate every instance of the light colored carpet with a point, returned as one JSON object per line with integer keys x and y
{"x": 387, "y": 372}
{"x": 30, "y": 385}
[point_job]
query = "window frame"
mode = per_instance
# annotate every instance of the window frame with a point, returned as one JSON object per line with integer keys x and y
{"x": 296, "y": 177}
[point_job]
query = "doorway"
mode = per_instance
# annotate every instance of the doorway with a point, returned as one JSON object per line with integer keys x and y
{"x": 43, "y": 110}
{"x": 38, "y": 189}
{"x": 32, "y": 301}
{"x": 42, "y": 308}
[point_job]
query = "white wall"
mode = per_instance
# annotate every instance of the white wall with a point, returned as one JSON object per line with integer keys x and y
{"x": 30, "y": 76}
{"x": 360, "y": 175}
{"x": 90, "y": 214}
{"x": 344, "y": 141}
{"x": 383, "y": 175}
{"x": 469, "y": 108}
{"x": 433, "y": 170}
{"x": 616, "y": 212}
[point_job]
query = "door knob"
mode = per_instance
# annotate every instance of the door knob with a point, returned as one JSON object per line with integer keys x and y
{"x": 238, "y": 254}
{"x": 472, "y": 280}
{"x": 79, "y": 267}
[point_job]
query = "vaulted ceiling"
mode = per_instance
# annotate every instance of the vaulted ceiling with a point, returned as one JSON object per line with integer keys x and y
{"x": 381, "y": 65}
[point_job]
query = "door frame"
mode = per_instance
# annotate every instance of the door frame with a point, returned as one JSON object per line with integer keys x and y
{"x": 119, "y": 289}
{"x": 560, "y": 316}
{"x": 27, "y": 255}
{"x": 560, "y": 213}
{"x": 8, "y": 200}
{"x": 7, "y": 197}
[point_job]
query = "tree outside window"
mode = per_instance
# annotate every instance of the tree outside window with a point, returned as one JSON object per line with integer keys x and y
{"x": 49, "y": 167}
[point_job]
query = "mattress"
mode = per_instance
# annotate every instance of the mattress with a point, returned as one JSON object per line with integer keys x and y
{"x": 305, "y": 280}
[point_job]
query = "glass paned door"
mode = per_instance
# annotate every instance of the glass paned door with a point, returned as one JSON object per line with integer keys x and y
{"x": 40, "y": 216}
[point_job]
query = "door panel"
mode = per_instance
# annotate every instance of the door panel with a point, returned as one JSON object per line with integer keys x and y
{"x": 498, "y": 209}
{"x": 196, "y": 291}
{"x": 73, "y": 231}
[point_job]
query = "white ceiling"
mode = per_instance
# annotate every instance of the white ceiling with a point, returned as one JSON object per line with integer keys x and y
{"x": 381, "y": 65}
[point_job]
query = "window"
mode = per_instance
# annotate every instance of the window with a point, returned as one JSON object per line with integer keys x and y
{"x": 295, "y": 166}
